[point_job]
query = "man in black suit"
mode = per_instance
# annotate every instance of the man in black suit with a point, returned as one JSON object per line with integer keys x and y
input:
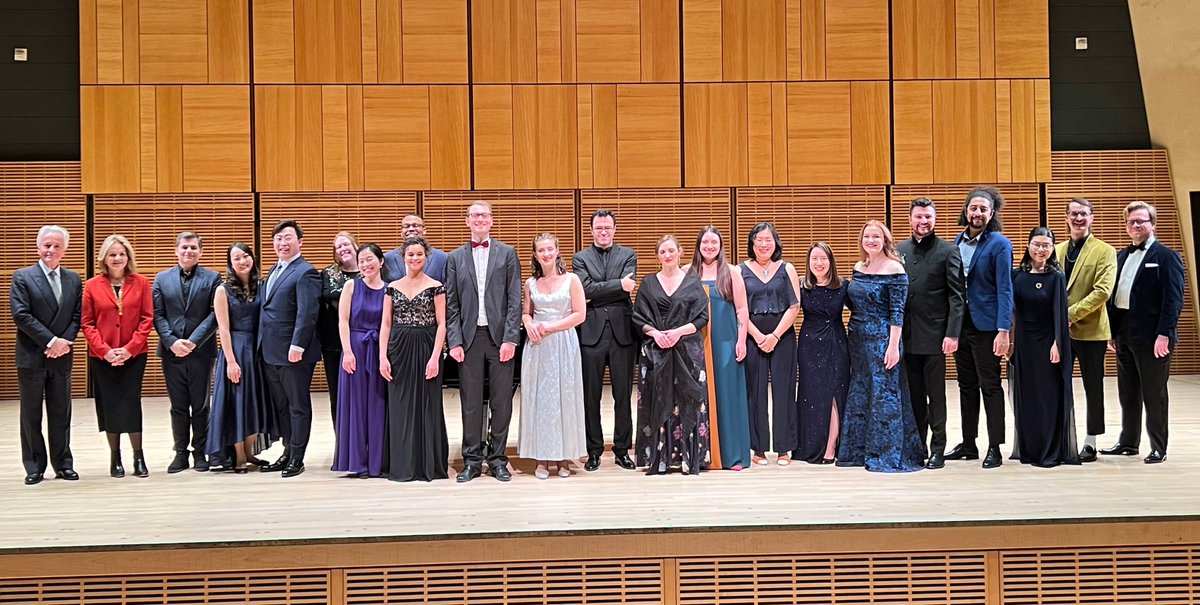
{"x": 483, "y": 317}
{"x": 607, "y": 271}
{"x": 184, "y": 320}
{"x": 288, "y": 343}
{"x": 1144, "y": 311}
{"x": 46, "y": 302}
{"x": 932, "y": 320}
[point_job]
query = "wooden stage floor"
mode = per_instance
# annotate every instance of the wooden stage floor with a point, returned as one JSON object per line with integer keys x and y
{"x": 213, "y": 509}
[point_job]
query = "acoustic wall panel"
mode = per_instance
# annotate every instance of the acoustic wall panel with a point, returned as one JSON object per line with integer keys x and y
{"x": 935, "y": 39}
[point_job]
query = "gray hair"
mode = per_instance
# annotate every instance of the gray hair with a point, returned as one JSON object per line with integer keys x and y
{"x": 48, "y": 229}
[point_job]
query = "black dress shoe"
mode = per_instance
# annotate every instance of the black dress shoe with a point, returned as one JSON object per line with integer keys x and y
{"x": 201, "y": 464}
{"x": 276, "y": 466}
{"x": 294, "y": 467}
{"x": 936, "y": 461}
{"x": 33, "y": 478}
{"x": 115, "y": 468}
{"x": 962, "y": 451}
{"x": 139, "y": 464}
{"x": 593, "y": 462}
{"x": 1120, "y": 450}
{"x": 1087, "y": 454}
{"x": 179, "y": 464}
{"x": 993, "y": 457}
{"x": 1155, "y": 457}
{"x": 468, "y": 473}
{"x": 624, "y": 461}
{"x": 67, "y": 474}
{"x": 500, "y": 472}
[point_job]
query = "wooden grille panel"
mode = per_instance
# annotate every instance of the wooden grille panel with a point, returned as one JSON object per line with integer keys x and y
{"x": 1110, "y": 180}
{"x": 518, "y": 217}
{"x": 560, "y": 583}
{"x": 151, "y": 223}
{"x": 274, "y": 588}
{"x": 644, "y": 215}
{"x": 1107, "y": 576}
{"x": 915, "y": 578}
{"x": 31, "y": 195}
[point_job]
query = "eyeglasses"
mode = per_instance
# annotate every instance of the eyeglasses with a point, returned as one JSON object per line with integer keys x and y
{"x": 1041, "y": 245}
{"x": 1136, "y": 222}
{"x": 1079, "y": 214}
{"x": 479, "y": 215}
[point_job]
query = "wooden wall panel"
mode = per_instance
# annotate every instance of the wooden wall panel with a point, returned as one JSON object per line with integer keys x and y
{"x": 960, "y": 131}
{"x": 856, "y": 40}
{"x": 435, "y": 41}
{"x": 397, "y": 135}
{"x": 935, "y": 39}
{"x": 164, "y": 41}
{"x": 151, "y": 222}
{"x": 32, "y": 195}
{"x": 518, "y": 217}
{"x": 818, "y": 133}
{"x": 870, "y": 133}
{"x": 648, "y": 134}
{"x": 165, "y": 139}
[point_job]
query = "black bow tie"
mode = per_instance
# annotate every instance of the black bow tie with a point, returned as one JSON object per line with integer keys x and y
{"x": 1131, "y": 248}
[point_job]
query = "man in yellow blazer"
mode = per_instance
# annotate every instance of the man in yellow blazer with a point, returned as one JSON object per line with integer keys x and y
{"x": 1091, "y": 268}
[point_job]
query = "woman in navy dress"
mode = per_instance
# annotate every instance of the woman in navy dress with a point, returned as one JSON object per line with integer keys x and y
{"x": 362, "y": 390}
{"x": 239, "y": 421}
{"x": 822, "y": 357}
{"x": 414, "y": 328}
{"x": 878, "y": 428}
{"x": 1043, "y": 404}
{"x": 773, "y": 300}
{"x": 724, "y": 350}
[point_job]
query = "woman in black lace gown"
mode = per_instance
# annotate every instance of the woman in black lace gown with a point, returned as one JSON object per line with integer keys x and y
{"x": 414, "y": 326}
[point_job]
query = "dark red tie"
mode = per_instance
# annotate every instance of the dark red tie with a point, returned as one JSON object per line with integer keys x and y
{"x": 475, "y": 244}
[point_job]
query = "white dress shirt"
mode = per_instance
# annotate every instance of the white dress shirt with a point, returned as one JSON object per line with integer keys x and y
{"x": 1133, "y": 264}
{"x": 480, "y": 255}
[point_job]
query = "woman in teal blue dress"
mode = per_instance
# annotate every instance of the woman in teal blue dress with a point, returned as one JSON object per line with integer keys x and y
{"x": 725, "y": 347}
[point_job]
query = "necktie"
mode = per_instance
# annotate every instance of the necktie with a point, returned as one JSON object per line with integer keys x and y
{"x": 475, "y": 244}
{"x": 55, "y": 286}
{"x": 271, "y": 278}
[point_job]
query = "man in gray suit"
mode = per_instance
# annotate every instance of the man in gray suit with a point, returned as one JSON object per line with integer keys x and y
{"x": 184, "y": 320}
{"x": 46, "y": 303}
{"x": 483, "y": 317}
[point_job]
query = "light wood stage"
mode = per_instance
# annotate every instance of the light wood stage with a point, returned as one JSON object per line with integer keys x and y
{"x": 961, "y": 534}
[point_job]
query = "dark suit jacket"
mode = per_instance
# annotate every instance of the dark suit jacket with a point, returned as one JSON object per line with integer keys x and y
{"x": 106, "y": 327}
{"x": 1156, "y": 298}
{"x": 192, "y": 319}
{"x": 289, "y": 314}
{"x": 607, "y": 302}
{"x": 989, "y": 282}
{"x": 435, "y": 264}
{"x": 39, "y": 318}
{"x": 936, "y": 291}
{"x": 501, "y": 298}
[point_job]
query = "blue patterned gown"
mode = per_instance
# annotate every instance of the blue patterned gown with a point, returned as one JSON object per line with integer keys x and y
{"x": 878, "y": 429}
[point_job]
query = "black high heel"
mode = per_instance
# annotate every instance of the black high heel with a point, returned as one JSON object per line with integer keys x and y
{"x": 115, "y": 468}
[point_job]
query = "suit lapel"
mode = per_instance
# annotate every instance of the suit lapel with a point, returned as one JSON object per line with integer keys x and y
{"x": 1084, "y": 258}
{"x": 469, "y": 253}
{"x": 279, "y": 279}
{"x": 43, "y": 284}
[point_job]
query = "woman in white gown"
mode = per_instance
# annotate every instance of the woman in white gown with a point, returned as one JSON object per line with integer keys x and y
{"x": 552, "y": 427}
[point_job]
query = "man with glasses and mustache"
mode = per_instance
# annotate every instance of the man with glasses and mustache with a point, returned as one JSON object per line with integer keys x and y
{"x": 1144, "y": 311}
{"x": 435, "y": 263}
{"x": 1091, "y": 270}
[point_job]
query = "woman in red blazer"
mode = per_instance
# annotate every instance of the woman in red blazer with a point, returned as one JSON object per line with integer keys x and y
{"x": 118, "y": 313}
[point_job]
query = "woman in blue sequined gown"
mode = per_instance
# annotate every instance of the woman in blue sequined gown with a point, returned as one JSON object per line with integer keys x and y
{"x": 878, "y": 428}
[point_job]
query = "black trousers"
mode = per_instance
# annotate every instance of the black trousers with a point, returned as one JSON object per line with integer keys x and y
{"x": 332, "y": 360}
{"x": 1090, "y": 354}
{"x": 54, "y": 387}
{"x": 482, "y": 359}
{"x": 188, "y": 382}
{"x": 620, "y": 360}
{"x": 1142, "y": 380}
{"x": 979, "y": 373}
{"x": 290, "y": 389}
{"x": 772, "y": 373}
{"x": 927, "y": 388}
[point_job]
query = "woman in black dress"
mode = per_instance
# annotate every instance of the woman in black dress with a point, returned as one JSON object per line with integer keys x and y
{"x": 333, "y": 279}
{"x": 672, "y": 423}
{"x": 822, "y": 356}
{"x": 1040, "y": 381}
{"x": 414, "y": 326}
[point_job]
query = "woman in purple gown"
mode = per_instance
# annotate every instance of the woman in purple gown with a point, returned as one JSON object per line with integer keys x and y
{"x": 362, "y": 390}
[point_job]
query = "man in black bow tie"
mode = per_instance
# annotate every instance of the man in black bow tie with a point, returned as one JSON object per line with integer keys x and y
{"x": 483, "y": 318}
{"x": 1144, "y": 311}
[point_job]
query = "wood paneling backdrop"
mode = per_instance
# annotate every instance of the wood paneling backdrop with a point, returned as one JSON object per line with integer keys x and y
{"x": 227, "y": 115}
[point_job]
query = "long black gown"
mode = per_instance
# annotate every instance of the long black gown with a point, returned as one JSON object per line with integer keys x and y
{"x": 240, "y": 410}
{"x": 824, "y": 368}
{"x": 1043, "y": 404}
{"x": 417, "y": 443}
{"x": 672, "y": 405}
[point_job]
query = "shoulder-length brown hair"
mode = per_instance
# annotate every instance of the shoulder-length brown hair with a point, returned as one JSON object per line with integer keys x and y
{"x": 889, "y": 243}
{"x": 109, "y": 242}
{"x": 724, "y": 280}
{"x": 810, "y": 280}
